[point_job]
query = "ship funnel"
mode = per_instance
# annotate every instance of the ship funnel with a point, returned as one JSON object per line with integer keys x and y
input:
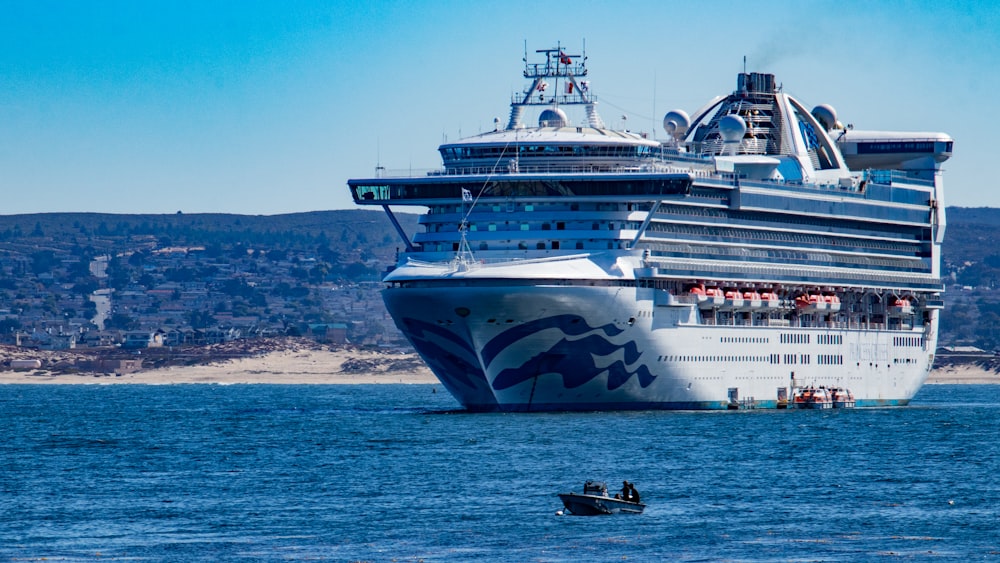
{"x": 755, "y": 82}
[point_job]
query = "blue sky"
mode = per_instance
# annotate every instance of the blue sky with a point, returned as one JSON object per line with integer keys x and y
{"x": 269, "y": 107}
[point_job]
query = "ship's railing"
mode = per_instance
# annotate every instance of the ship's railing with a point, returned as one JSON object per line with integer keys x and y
{"x": 888, "y": 177}
{"x": 673, "y": 267}
{"x": 798, "y": 322}
{"x": 638, "y": 168}
{"x": 696, "y": 169}
{"x": 550, "y": 69}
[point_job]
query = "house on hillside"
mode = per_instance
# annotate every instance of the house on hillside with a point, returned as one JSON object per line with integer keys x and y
{"x": 143, "y": 339}
{"x": 328, "y": 333}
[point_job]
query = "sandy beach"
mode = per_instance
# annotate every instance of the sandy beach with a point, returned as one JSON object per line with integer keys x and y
{"x": 963, "y": 374}
{"x": 298, "y": 366}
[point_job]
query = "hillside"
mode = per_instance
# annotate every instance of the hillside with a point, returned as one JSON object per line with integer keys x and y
{"x": 283, "y": 270}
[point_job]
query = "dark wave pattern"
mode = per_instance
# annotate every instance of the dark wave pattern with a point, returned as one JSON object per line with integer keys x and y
{"x": 570, "y": 325}
{"x": 439, "y": 359}
{"x": 573, "y": 360}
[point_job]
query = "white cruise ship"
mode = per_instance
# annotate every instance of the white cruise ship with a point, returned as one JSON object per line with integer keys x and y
{"x": 760, "y": 250}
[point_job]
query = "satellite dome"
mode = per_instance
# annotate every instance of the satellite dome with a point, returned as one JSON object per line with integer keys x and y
{"x": 826, "y": 115}
{"x": 732, "y": 127}
{"x": 676, "y": 123}
{"x": 552, "y": 117}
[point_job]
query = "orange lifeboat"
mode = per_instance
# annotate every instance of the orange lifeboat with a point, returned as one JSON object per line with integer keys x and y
{"x": 832, "y": 302}
{"x": 752, "y": 299}
{"x": 770, "y": 300}
{"x": 813, "y": 398}
{"x": 697, "y": 291}
{"x": 810, "y": 303}
{"x": 842, "y": 398}
{"x": 901, "y": 306}
{"x": 714, "y": 297}
{"x": 733, "y": 299}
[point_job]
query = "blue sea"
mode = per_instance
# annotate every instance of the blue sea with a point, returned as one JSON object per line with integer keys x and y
{"x": 399, "y": 473}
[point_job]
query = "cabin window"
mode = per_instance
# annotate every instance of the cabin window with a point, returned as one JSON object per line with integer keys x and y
{"x": 493, "y": 227}
{"x": 560, "y": 226}
{"x": 540, "y": 246}
{"x": 529, "y": 207}
{"x": 484, "y": 246}
{"x": 579, "y": 246}
{"x": 546, "y": 227}
{"x": 525, "y": 226}
{"x": 555, "y": 245}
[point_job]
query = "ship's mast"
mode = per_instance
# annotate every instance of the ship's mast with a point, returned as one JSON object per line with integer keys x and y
{"x": 559, "y": 66}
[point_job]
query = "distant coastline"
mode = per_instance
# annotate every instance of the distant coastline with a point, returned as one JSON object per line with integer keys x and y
{"x": 971, "y": 373}
{"x": 281, "y": 361}
{"x": 298, "y": 361}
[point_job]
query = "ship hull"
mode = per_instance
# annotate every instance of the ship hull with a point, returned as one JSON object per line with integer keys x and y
{"x": 506, "y": 347}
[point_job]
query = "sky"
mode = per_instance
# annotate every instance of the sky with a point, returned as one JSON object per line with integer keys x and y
{"x": 268, "y": 107}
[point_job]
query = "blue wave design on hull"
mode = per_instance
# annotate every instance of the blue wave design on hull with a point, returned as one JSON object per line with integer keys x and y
{"x": 439, "y": 359}
{"x": 573, "y": 360}
{"x": 570, "y": 325}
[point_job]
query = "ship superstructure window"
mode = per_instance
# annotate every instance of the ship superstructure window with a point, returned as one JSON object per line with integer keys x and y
{"x": 793, "y": 338}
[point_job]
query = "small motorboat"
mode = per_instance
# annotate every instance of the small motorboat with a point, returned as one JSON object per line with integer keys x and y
{"x": 595, "y": 501}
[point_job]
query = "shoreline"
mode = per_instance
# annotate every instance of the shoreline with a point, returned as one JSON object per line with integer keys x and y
{"x": 963, "y": 374}
{"x": 320, "y": 366}
{"x": 299, "y": 366}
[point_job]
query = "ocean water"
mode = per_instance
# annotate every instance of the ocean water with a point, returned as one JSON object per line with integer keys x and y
{"x": 397, "y": 473}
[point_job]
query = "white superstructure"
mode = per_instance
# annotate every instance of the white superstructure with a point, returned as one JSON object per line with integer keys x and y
{"x": 760, "y": 248}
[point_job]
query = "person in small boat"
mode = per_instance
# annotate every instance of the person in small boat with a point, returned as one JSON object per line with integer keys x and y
{"x": 634, "y": 497}
{"x": 626, "y": 491}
